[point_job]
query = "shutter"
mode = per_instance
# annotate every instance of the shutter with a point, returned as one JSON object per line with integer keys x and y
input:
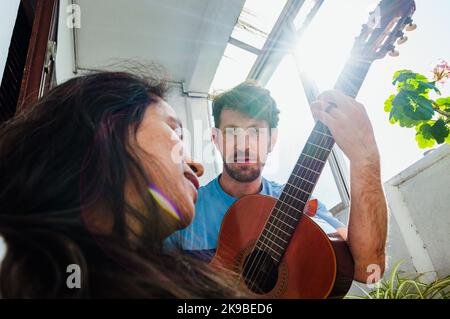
{"x": 39, "y": 68}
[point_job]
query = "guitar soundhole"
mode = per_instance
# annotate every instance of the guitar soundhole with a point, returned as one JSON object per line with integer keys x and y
{"x": 260, "y": 272}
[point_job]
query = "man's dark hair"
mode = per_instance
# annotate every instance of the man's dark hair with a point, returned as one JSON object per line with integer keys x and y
{"x": 250, "y": 99}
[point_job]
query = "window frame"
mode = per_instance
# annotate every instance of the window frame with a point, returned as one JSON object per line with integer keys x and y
{"x": 278, "y": 44}
{"x": 38, "y": 74}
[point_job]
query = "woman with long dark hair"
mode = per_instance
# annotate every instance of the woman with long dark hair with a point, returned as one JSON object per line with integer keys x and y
{"x": 94, "y": 175}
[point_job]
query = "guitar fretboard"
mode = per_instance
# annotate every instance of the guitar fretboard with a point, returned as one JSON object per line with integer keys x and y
{"x": 289, "y": 208}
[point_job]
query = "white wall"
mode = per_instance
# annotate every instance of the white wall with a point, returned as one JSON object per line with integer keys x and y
{"x": 419, "y": 218}
{"x": 420, "y": 201}
{"x": 8, "y": 15}
{"x": 203, "y": 150}
{"x": 2, "y": 249}
{"x": 65, "y": 54}
{"x": 396, "y": 250}
{"x": 195, "y": 117}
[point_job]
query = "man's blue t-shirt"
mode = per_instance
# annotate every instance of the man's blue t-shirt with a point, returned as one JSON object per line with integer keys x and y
{"x": 201, "y": 236}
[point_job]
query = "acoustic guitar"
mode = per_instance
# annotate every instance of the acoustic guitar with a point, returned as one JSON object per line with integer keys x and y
{"x": 274, "y": 247}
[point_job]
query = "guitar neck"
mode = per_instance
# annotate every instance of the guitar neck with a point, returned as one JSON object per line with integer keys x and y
{"x": 291, "y": 204}
{"x": 320, "y": 142}
{"x": 352, "y": 76}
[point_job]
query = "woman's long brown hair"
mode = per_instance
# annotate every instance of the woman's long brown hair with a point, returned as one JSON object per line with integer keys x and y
{"x": 59, "y": 159}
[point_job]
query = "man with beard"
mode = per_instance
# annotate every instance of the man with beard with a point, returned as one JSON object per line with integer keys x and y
{"x": 245, "y": 133}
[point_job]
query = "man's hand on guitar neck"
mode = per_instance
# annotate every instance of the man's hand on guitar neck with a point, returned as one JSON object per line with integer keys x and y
{"x": 348, "y": 122}
{"x": 367, "y": 228}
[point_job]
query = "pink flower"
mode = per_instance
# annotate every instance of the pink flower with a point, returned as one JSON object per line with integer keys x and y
{"x": 441, "y": 72}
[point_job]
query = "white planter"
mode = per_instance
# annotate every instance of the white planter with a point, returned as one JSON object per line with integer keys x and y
{"x": 419, "y": 219}
{"x": 419, "y": 202}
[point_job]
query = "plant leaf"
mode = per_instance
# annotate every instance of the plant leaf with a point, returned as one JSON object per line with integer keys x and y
{"x": 388, "y": 103}
{"x": 424, "y": 137}
{"x": 444, "y": 104}
{"x": 410, "y": 109}
{"x": 407, "y": 288}
{"x": 397, "y": 74}
{"x": 404, "y": 75}
{"x": 425, "y": 87}
{"x": 440, "y": 131}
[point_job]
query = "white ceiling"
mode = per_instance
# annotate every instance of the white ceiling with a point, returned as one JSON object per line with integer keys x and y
{"x": 187, "y": 37}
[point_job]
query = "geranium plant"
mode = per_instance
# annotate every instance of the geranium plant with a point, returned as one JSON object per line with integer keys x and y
{"x": 413, "y": 106}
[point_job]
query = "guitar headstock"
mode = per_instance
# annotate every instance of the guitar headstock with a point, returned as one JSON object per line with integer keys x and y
{"x": 384, "y": 29}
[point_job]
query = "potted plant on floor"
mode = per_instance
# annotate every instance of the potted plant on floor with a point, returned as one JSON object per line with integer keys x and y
{"x": 401, "y": 286}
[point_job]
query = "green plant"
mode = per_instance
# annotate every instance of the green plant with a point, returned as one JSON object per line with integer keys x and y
{"x": 399, "y": 287}
{"x": 413, "y": 107}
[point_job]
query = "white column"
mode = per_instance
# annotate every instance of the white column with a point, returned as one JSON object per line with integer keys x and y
{"x": 8, "y": 15}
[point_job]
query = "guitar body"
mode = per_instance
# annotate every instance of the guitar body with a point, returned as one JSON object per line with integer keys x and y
{"x": 313, "y": 265}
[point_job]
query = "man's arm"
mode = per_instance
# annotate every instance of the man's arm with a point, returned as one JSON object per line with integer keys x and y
{"x": 367, "y": 228}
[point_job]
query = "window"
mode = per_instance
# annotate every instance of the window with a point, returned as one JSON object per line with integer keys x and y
{"x": 15, "y": 63}
{"x": 256, "y": 21}
{"x": 233, "y": 68}
{"x": 250, "y": 33}
{"x": 296, "y": 123}
{"x": 326, "y": 46}
{"x": 323, "y": 50}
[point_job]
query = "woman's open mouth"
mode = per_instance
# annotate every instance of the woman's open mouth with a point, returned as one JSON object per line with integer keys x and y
{"x": 193, "y": 179}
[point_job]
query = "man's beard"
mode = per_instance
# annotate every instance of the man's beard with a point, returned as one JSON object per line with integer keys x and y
{"x": 243, "y": 174}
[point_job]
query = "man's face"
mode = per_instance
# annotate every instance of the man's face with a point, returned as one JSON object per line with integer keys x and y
{"x": 244, "y": 144}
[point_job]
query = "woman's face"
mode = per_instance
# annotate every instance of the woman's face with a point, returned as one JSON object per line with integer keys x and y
{"x": 160, "y": 151}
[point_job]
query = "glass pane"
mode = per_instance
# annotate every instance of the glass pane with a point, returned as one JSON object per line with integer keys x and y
{"x": 233, "y": 68}
{"x": 257, "y": 20}
{"x": 326, "y": 46}
{"x": 296, "y": 123}
{"x": 303, "y": 13}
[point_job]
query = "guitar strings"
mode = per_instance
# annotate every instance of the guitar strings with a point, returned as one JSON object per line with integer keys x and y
{"x": 317, "y": 155}
{"x": 284, "y": 200}
{"x": 260, "y": 252}
{"x": 274, "y": 232}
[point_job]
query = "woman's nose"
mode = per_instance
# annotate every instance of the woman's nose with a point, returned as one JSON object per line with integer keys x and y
{"x": 197, "y": 168}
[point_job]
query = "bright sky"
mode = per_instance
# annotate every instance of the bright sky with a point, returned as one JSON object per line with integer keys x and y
{"x": 328, "y": 43}
{"x": 324, "y": 50}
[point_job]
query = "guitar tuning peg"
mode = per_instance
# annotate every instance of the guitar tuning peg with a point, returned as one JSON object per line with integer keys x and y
{"x": 402, "y": 40}
{"x": 411, "y": 27}
{"x": 394, "y": 53}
